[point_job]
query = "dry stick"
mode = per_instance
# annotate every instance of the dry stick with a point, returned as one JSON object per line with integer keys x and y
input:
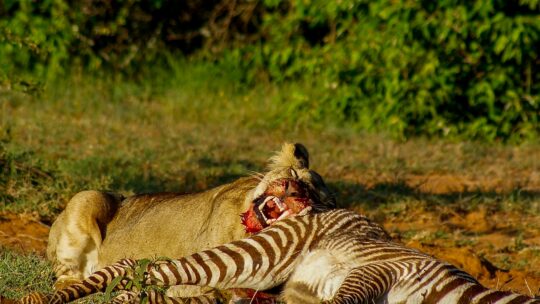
{"x": 253, "y": 297}
{"x": 527, "y": 284}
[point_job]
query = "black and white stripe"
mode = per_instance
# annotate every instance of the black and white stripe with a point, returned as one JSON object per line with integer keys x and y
{"x": 332, "y": 257}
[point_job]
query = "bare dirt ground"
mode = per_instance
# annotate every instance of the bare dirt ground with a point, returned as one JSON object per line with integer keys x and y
{"x": 475, "y": 242}
{"x": 499, "y": 247}
{"x": 23, "y": 232}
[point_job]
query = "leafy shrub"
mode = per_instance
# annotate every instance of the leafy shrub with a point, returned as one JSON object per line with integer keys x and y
{"x": 406, "y": 67}
{"x": 46, "y": 36}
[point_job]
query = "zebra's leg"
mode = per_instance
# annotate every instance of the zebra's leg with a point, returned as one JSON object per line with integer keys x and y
{"x": 35, "y": 298}
{"x": 157, "y": 297}
{"x": 239, "y": 264}
{"x": 127, "y": 296}
{"x": 188, "y": 291}
{"x": 96, "y": 282}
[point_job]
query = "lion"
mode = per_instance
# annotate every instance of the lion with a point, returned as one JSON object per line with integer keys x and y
{"x": 98, "y": 228}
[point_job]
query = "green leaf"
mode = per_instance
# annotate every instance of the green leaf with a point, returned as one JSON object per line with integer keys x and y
{"x": 111, "y": 286}
{"x": 500, "y": 44}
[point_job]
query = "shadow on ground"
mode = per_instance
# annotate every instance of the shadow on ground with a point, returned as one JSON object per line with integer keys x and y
{"x": 373, "y": 196}
{"x": 208, "y": 173}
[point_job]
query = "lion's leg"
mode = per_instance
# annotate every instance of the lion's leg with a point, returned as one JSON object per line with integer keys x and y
{"x": 76, "y": 235}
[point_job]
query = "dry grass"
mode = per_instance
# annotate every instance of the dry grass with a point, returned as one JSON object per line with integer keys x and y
{"x": 189, "y": 134}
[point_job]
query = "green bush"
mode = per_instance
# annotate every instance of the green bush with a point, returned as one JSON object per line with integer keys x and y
{"x": 44, "y": 37}
{"x": 447, "y": 67}
{"x": 438, "y": 68}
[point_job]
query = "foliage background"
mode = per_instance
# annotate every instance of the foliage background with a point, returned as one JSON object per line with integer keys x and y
{"x": 160, "y": 95}
{"x": 466, "y": 69}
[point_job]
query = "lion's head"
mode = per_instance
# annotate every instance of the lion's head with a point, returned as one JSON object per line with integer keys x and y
{"x": 289, "y": 188}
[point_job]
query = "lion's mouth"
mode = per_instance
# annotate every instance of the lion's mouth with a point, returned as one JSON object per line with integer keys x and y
{"x": 273, "y": 209}
{"x": 283, "y": 198}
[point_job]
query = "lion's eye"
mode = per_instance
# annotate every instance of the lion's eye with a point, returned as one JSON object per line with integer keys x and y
{"x": 293, "y": 173}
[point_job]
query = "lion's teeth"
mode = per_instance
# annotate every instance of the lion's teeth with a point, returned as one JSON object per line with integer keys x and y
{"x": 266, "y": 200}
{"x": 271, "y": 221}
{"x": 284, "y": 215}
{"x": 305, "y": 210}
{"x": 280, "y": 204}
{"x": 269, "y": 198}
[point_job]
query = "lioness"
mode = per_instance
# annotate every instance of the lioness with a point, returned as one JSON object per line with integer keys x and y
{"x": 98, "y": 228}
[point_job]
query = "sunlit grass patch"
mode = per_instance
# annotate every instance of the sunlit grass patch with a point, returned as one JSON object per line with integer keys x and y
{"x": 21, "y": 274}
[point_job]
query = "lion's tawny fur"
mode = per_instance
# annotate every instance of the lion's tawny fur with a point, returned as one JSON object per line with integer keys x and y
{"x": 98, "y": 228}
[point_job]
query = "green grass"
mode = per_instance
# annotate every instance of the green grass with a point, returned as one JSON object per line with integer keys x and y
{"x": 197, "y": 127}
{"x": 21, "y": 274}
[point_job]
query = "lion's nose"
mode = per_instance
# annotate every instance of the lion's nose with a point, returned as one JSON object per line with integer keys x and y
{"x": 291, "y": 189}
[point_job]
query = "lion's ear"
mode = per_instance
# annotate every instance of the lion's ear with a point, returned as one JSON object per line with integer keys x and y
{"x": 291, "y": 155}
{"x": 302, "y": 156}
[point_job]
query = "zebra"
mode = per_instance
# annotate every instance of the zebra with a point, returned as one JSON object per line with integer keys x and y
{"x": 337, "y": 257}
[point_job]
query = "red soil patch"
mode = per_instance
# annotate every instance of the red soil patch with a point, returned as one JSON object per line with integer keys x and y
{"x": 476, "y": 242}
{"x": 483, "y": 270}
{"x": 23, "y": 232}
